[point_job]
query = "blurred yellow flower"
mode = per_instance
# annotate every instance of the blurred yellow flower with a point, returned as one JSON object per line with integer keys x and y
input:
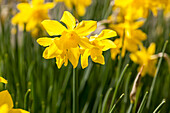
{"x": 132, "y": 37}
{"x": 71, "y": 37}
{"x": 80, "y": 5}
{"x": 145, "y": 58}
{"x": 3, "y": 80}
{"x": 31, "y": 14}
{"x": 6, "y": 104}
{"x": 100, "y": 43}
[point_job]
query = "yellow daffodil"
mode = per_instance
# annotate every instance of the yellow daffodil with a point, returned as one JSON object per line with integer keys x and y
{"x": 32, "y": 14}
{"x": 6, "y": 104}
{"x": 132, "y": 37}
{"x": 80, "y": 5}
{"x": 144, "y": 58}
{"x": 100, "y": 43}
{"x": 3, "y": 80}
{"x": 71, "y": 37}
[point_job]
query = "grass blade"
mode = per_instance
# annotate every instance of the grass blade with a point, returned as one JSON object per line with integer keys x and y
{"x": 142, "y": 103}
{"x": 117, "y": 85}
{"x": 160, "y": 106}
{"x": 116, "y": 103}
{"x": 105, "y": 100}
{"x": 156, "y": 74}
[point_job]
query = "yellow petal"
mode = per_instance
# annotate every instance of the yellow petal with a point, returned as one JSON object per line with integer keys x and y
{"x": 99, "y": 59}
{"x": 69, "y": 20}
{"x": 114, "y": 53}
{"x": 4, "y": 108}
{"x": 23, "y": 6}
{"x": 84, "y": 58}
{"x": 18, "y": 111}
{"x": 3, "y": 80}
{"x": 133, "y": 57}
{"x": 81, "y": 9}
{"x": 85, "y": 43}
{"x": 84, "y": 28}
{"x": 73, "y": 56}
{"x": 69, "y": 40}
{"x": 59, "y": 62}
{"x": 49, "y": 5}
{"x": 53, "y": 27}
{"x": 107, "y": 33}
{"x": 6, "y": 99}
{"x": 108, "y": 44}
{"x": 45, "y": 41}
{"x": 151, "y": 49}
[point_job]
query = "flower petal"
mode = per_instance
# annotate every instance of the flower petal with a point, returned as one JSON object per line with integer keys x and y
{"x": 73, "y": 56}
{"x": 53, "y": 27}
{"x": 18, "y": 111}
{"x": 107, "y": 33}
{"x": 84, "y": 28}
{"x": 151, "y": 49}
{"x": 108, "y": 44}
{"x": 45, "y": 41}
{"x": 3, "y": 80}
{"x": 6, "y": 99}
{"x": 85, "y": 43}
{"x": 69, "y": 20}
{"x": 84, "y": 58}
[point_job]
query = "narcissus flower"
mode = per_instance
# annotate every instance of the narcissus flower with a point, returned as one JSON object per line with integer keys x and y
{"x": 32, "y": 14}
{"x": 3, "y": 80}
{"x": 71, "y": 37}
{"x": 145, "y": 58}
{"x": 6, "y": 104}
{"x": 80, "y": 5}
{"x": 131, "y": 34}
{"x": 99, "y": 43}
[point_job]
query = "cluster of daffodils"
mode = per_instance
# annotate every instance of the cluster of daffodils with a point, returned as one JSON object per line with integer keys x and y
{"x": 70, "y": 41}
{"x": 6, "y": 103}
{"x": 80, "y": 5}
{"x": 128, "y": 16}
{"x": 31, "y": 14}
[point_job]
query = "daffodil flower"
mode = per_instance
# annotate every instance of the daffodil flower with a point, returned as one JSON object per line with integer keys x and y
{"x": 144, "y": 58}
{"x": 100, "y": 43}
{"x": 71, "y": 37}
{"x": 6, "y": 104}
{"x": 80, "y": 5}
{"x": 131, "y": 36}
{"x": 32, "y": 14}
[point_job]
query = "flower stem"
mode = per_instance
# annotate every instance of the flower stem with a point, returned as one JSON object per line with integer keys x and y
{"x": 75, "y": 92}
{"x": 156, "y": 74}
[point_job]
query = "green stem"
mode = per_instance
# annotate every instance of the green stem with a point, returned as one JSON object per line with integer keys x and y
{"x": 117, "y": 86}
{"x": 75, "y": 92}
{"x": 159, "y": 107}
{"x": 26, "y": 99}
{"x": 142, "y": 103}
{"x": 156, "y": 74}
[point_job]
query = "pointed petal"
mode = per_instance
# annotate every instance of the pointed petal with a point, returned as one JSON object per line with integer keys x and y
{"x": 99, "y": 59}
{"x": 53, "y": 27}
{"x": 108, "y": 44}
{"x": 84, "y": 28}
{"x": 84, "y": 58}
{"x": 69, "y": 20}
{"x": 151, "y": 49}
{"x": 3, "y": 80}
{"x": 45, "y": 41}
{"x": 107, "y": 33}
{"x": 73, "y": 56}
{"x": 59, "y": 62}
{"x": 6, "y": 99}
